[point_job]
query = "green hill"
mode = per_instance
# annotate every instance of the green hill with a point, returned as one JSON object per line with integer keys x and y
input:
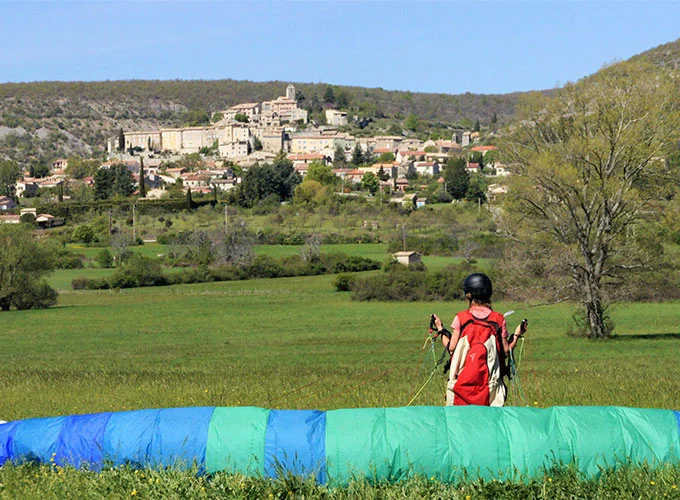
{"x": 40, "y": 121}
{"x": 666, "y": 55}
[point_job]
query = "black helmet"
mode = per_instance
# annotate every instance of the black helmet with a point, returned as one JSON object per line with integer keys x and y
{"x": 478, "y": 285}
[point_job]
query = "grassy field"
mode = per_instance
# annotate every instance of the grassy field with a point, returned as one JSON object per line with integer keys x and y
{"x": 296, "y": 343}
{"x": 216, "y": 344}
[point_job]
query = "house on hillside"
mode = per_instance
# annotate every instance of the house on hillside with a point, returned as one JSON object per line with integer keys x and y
{"x": 10, "y": 219}
{"x": 407, "y": 258}
{"x": 336, "y": 118}
{"x": 407, "y": 156}
{"x": 26, "y": 187}
{"x": 7, "y": 203}
{"x": 430, "y": 168}
{"x": 59, "y": 164}
{"x": 45, "y": 221}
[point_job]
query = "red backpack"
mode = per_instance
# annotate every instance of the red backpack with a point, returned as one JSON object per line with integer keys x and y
{"x": 472, "y": 384}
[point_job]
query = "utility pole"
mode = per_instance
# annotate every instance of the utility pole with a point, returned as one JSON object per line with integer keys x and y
{"x": 134, "y": 222}
{"x": 226, "y": 218}
{"x": 403, "y": 235}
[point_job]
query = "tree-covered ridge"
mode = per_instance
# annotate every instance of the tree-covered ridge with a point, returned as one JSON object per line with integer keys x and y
{"x": 44, "y": 120}
{"x": 53, "y": 119}
{"x": 76, "y": 99}
{"x": 666, "y": 55}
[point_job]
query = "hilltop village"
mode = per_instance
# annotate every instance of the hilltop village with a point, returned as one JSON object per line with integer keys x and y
{"x": 212, "y": 158}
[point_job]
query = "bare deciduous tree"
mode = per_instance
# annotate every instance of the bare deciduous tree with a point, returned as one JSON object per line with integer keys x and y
{"x": 235, "y": 246}
{"x": 586, "y": 163}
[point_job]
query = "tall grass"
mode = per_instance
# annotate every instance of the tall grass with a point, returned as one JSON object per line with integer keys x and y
{"x": 40, "y": 482}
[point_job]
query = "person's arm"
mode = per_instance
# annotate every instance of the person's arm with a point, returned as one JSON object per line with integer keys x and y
{"x": 448, "y": 342}
{"x": 519, "y": 331}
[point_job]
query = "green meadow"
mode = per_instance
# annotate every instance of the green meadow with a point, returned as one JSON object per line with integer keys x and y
{"x": 297, "y": 343}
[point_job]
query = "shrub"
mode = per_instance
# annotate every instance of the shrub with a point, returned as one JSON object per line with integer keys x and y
{"x": 344, "y": 282}
{"x": 62, "y": 257}
{"x": 137, "y": 271}
{"x": 426, "y": 245}
{"x": 402, "y": 283}
{"x": 229, "y": 273}
{"x": 264, "y": 266}
{"x": 200, "y": 274}
{"x": 340, "y": 263}
{"x": 80, "y": 283}
{"x": 36, "y": 295}
{"x": 104, "y": 259}
{"x": 446, "y": 283}
{"x": 98, "y": 284}
{"x": 84, "y": 234}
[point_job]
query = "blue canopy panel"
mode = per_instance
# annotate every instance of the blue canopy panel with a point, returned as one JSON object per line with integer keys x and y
{"x": 155, "y": 438}
{"x": 295, "y": 441}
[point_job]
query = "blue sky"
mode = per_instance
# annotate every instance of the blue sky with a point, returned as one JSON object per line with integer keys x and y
{"x": 446, "y": 47}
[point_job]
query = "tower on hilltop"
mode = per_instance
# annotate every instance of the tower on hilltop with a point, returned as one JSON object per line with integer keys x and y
{"x": 290, "y": 92}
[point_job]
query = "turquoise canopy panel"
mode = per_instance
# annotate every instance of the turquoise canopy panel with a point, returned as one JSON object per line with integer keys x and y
{"x": 335, "y": 446}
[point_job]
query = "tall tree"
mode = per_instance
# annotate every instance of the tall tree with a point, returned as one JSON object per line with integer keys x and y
{"x": 329, "y": 95}
{"x": 124, "y": 182}
{"x": 103, "y": 184}
{"x": 39, "y": 169}
{"x": 9, "y": 173}
{"x": 412, "y": 122}
{"x": 23, "y": 266}
{"x": 276, "y": 181}
{"x": 116, "y": 179}
{"x": 339, "y": 156}
{"x": 456, "y": 178}
{"x": 477, "y": 157}
{"x": 142, "y": 185}
{"x": 322, "y": 173}
{"x": 370, "y": 182}
{"x": 587, "y": 165}
{"x": 358, "y": 155}
{"x": 476, "y": 190}
{"x": 121, "y": 140}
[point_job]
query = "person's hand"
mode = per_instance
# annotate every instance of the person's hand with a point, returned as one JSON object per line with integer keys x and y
{"x": 521, "y": 328}
{"x": 438, "y": 323}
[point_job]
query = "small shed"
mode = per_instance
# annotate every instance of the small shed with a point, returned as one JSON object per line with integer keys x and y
{"x": 407, "y": 258}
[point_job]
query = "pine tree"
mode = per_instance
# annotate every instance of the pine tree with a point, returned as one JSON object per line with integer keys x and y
{"x": 357, "y": 155}
{"x": 142, "y": 186}
{"x": 457, "y": 178}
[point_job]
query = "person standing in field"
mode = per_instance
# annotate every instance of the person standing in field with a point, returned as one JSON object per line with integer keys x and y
{"x": 478, "y": 346}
